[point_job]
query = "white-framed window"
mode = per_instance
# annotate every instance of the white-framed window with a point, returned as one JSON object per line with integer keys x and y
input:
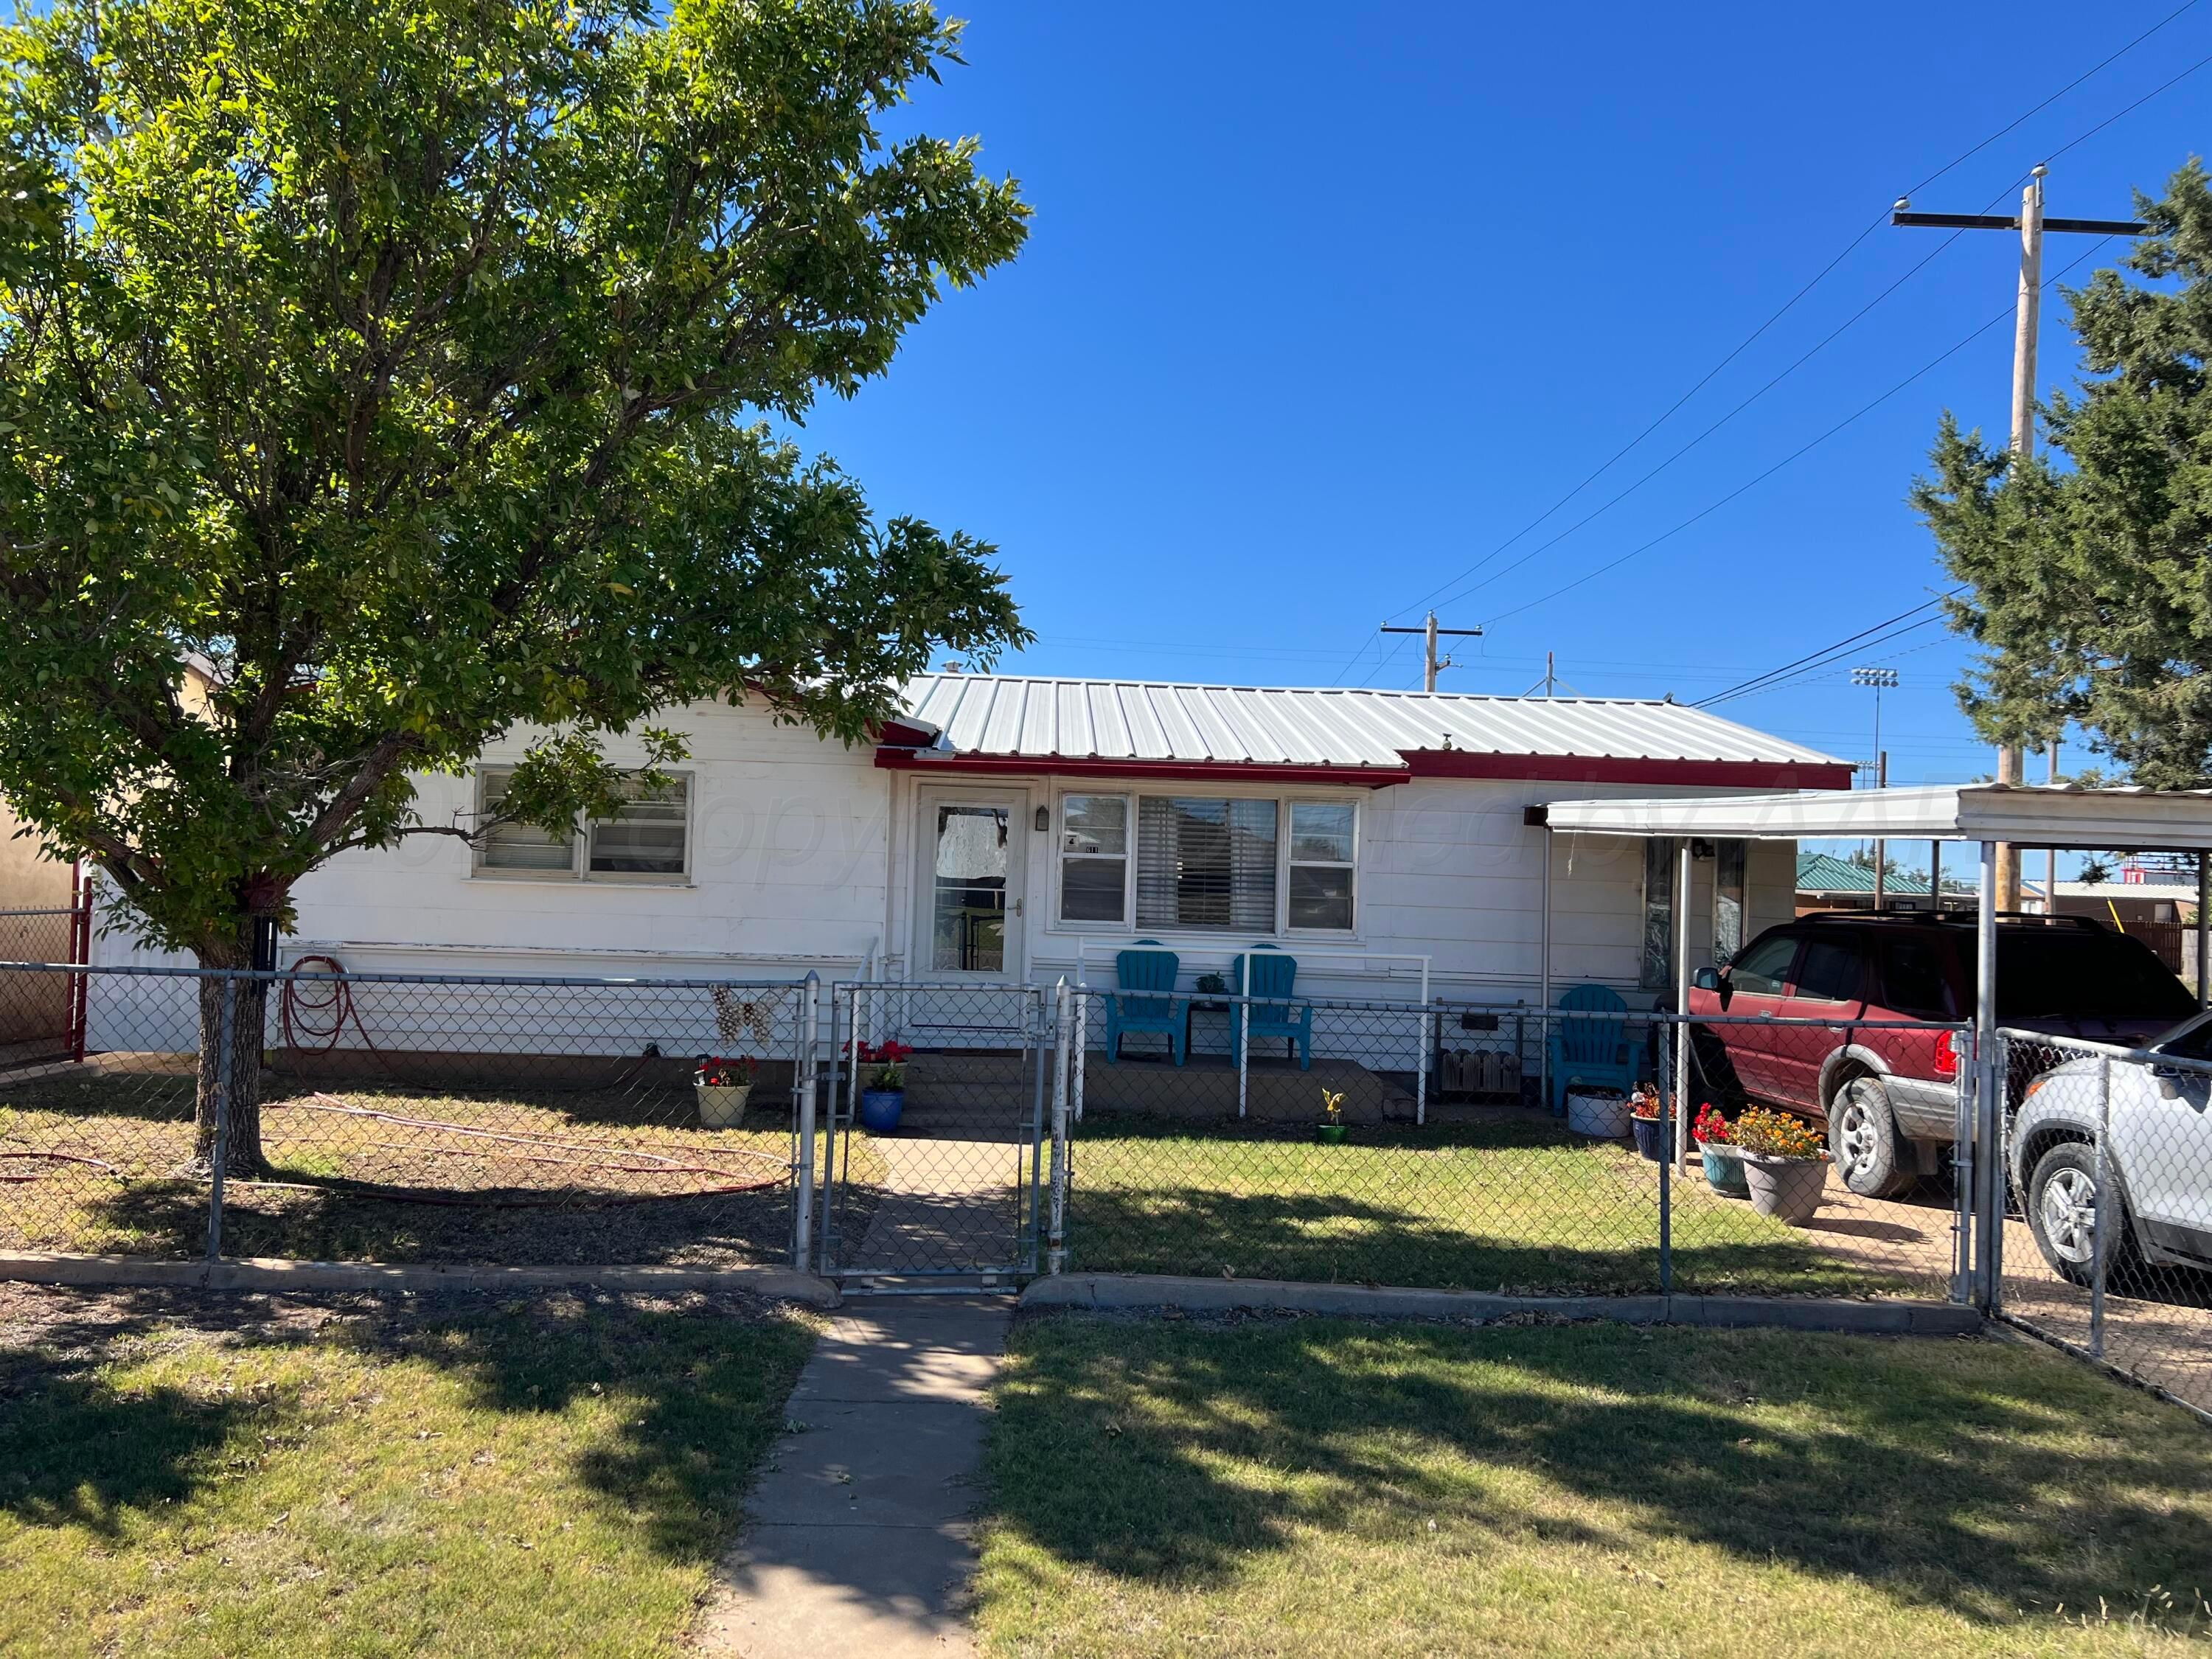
{"x": 1206, "y": 863}
{"x": 647, "y": 840}
{"x": 1323, "y": 855}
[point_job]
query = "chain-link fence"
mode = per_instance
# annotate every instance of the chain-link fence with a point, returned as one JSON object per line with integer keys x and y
{"x": 939, "y": 1097}
{"x": 2109, "y": 1152}
{"x": 405, "y": 1118}
{"x": 1499, "y": 1146}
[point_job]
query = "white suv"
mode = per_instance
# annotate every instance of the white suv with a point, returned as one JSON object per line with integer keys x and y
{"x": 2159, "y": 1161}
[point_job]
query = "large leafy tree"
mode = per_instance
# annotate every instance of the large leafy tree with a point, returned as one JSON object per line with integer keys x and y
{"x": 2090, "y": 569}
{"x": 403, "y": 364}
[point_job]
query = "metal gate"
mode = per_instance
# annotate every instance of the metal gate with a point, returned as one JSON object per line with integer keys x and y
{"x": 954, "y": 1185}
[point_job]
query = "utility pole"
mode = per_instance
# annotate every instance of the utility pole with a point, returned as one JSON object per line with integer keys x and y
{"x": 2051, "y": 875}
{"x": 1432, "y": 661}
{"x": 1882, "y": 679}
{"x": 1550, "y": 684}
{"x": 2031, "y": 224}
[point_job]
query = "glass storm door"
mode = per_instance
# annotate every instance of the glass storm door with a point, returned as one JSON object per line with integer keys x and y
{"x": 974, "y": 857}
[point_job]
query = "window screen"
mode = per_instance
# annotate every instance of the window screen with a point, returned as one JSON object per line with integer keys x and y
{"x": 1206, "y": 863}
{"x": 1727, "y": 901}
{"x": 518, "y": 845}
{"x": 647, "y": 836}
{"x": 1657, "y": 970}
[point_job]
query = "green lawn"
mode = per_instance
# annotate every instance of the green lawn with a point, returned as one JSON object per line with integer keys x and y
{"x": 569, "y": 1187}
{"x": 1278, "y": 1487}
{"x": 214, "y": 1475}
{"x": 1513, "y": 1203}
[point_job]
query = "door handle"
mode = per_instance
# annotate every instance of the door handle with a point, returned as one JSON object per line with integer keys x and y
{"x": 1018, "y": 907}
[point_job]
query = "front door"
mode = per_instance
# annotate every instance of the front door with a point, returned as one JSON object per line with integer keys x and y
{"x": 974, "y": 856}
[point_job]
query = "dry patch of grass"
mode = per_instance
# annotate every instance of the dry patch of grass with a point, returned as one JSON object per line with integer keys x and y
{"x": 202, "y": 1474}
{"x": 1275, "y": 1485}
{"x": 505, "y": 1176}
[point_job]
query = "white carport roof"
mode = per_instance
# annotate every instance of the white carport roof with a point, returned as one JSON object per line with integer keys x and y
{"x": 2029, "y": 815}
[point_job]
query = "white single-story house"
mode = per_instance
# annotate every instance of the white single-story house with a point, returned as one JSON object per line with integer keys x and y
{"x": 1010, "y": 828}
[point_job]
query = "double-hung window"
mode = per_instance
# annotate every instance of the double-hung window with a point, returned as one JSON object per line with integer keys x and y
{"x": 648, "y": 838}
{"x": 1232, "y": 864}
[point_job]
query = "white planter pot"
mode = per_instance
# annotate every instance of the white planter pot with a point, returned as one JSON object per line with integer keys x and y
{"x": 1605, "y": 1116}
{"x": 722, "y": 1105}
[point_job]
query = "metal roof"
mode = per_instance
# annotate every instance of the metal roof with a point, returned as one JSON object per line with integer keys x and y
{"x": 2031, "y": 815}
{"x": 1822, "y": 872}
{"x": 1153, "y": 721}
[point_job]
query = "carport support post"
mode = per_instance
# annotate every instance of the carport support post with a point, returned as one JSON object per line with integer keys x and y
{"x": 1683, "y": 999}
{"x": 1989, "y": 1171}
{"x": 802, "y": 1225}
{"x": 2105, "y": 1209}
{"x": 2203, "y": 928}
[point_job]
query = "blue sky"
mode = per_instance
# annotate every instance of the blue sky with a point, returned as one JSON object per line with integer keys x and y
{"x": 1324, "y": 304}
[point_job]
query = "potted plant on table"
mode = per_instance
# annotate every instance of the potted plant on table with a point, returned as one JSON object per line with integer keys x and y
{"x": 882, "y": 1083}
{"x": 1643, "y": 1119}
{"x": 724, "y": 1085}
{"x": 1784, "y": 1164}
{"x": 1330, "y": 1130}
{"x": 1723, "y": 1158}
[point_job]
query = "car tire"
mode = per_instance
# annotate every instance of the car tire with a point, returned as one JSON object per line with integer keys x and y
{"x": 2065, "y": 1210}
{"x": 1870, "y": 1154}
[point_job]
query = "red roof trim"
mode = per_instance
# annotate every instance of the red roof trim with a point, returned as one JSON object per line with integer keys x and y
{"x": 1369, "y": 777}
{"x": 1607, "y": 768}
{"x": 904, "y": 734}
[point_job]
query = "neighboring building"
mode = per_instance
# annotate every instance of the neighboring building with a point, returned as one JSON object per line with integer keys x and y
{"x": 1827, "y": 882}
{"x": 1021, "y": 830}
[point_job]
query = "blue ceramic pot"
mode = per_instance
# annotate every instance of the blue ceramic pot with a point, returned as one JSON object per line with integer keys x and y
{"x": 1724, "y": 1173}
{"x": 1650, "y": 1137}
{"x": 880, "y": 1107}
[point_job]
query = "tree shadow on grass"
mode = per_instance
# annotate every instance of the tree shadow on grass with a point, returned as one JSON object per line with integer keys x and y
{"x": 698, "y": 1382}
{"x": 1990, "y": 1482}
{"x": 1587, "y": 1246}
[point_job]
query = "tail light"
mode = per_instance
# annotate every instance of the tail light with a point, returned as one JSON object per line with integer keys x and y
{"x": 1947, "y": 1055}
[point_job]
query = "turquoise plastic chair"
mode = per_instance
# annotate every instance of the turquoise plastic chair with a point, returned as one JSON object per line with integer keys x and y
{"x": 1273, "y": 974}
{"x": 1589, "y": 1048}
{"x": 1147, "y": 968}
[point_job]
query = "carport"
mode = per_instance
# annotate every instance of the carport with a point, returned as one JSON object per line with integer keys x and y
{"x": 2064, "y": 816}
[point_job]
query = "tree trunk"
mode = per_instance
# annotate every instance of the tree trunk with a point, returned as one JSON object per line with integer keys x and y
{"x": 230, "y": 1094}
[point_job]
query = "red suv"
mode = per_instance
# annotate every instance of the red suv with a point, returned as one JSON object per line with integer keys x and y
{"x": 1890, "y": 1096}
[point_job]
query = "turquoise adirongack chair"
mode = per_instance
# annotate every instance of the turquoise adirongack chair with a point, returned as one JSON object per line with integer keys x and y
{"x": 1275, "y": 1015}
{"x": 1590, "y": 1047}
{"x": 1146, "y": 968}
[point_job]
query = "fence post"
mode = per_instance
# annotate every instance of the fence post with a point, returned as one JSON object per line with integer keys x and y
{"x": 802, "y": 1222}
{"x": 1421, "y": 1077}
{"x": 2106, "y": 1209}
{"x": 1055, "y": 1256}
{"x": 1965, "y": 1113}
{"x": 1989, "y": 1153}
{"x": 226, "y": 1045}
{"x": 1667, "y": 1119}
{"x": 1081, "y": 1041}
{"x": 1243, "y": 1039}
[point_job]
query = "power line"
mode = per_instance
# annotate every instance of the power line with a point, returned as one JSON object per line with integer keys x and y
{"x": 1790, "y": 304}
{"x": 1802, "y": 449}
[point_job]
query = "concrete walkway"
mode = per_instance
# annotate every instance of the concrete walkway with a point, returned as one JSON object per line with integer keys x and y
{"x": 860, "y": 1535}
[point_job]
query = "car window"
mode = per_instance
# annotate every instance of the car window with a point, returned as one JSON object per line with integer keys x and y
{"x": 1761, "y": 970}
{"x": 2082, "y": 974}
{"x": 1829, "y": 971}
{"x": 1913, "y": 978}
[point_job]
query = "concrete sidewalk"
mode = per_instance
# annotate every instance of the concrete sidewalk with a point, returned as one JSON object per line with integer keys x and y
{"x": 860, "y": 1535}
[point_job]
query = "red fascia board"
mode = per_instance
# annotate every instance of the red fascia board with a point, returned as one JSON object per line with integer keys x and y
{"x": 1611, "y": 768}
{"x": 1367, "y": 777}
{"x": 901, "y": 734}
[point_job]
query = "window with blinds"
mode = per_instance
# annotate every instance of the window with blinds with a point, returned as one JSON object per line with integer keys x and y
{"x": 519, "y": 847}
{"x": 1206, "y": 863}
{"x": 647, "y": 836}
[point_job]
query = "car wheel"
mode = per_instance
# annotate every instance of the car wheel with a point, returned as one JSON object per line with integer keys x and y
{"x": 1863, "y": 1135}
{"x": 2064, "y": 1213}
